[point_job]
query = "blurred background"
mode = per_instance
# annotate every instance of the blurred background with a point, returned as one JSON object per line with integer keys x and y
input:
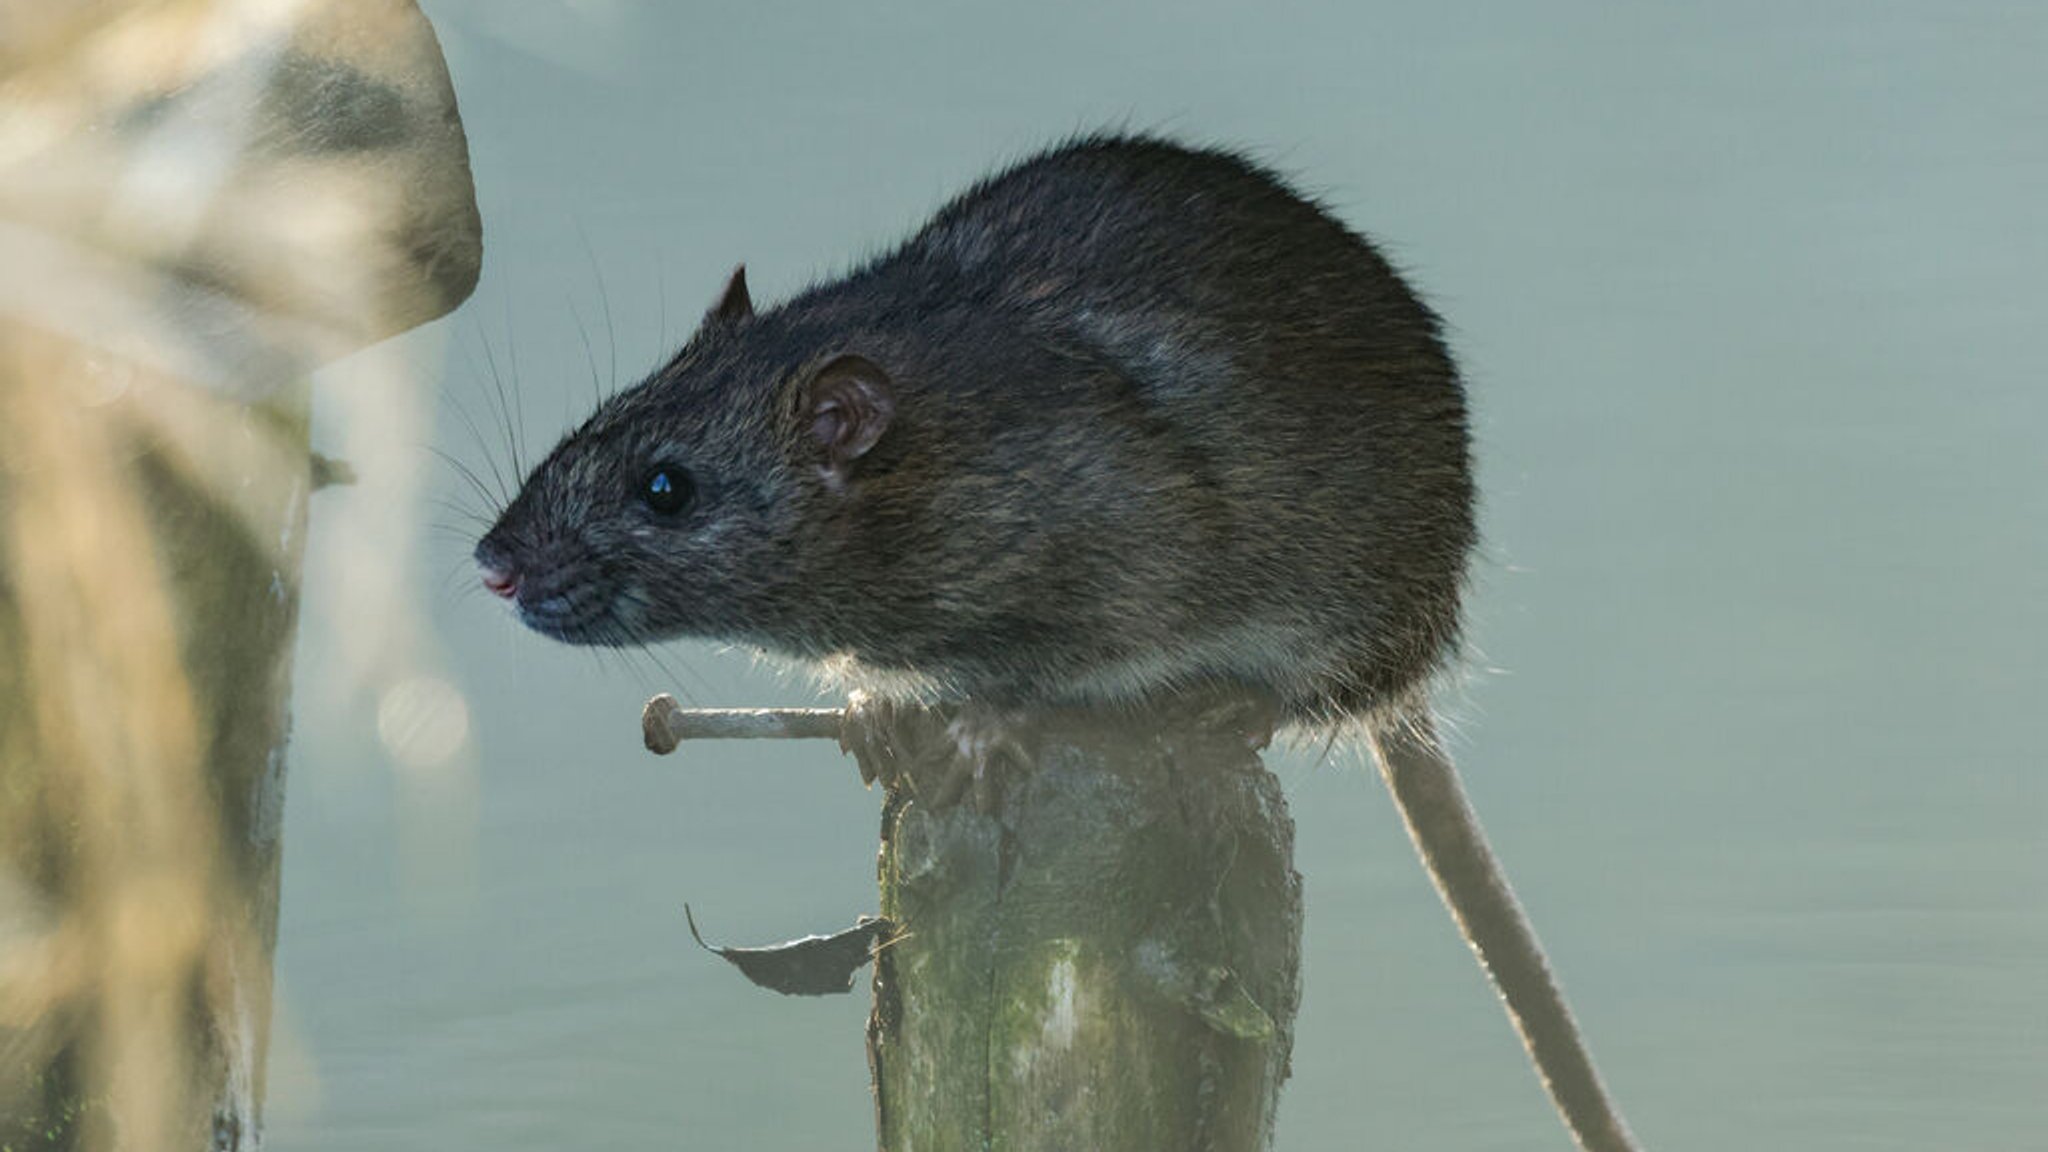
{"x": 1751, "y": 301}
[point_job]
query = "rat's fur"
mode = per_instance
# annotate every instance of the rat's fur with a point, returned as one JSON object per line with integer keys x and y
{"x": 1158, "y": 420}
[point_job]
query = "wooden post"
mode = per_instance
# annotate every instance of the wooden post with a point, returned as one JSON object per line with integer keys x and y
{"x": 219, "y": 198}
{"x": 1104, "y": 954}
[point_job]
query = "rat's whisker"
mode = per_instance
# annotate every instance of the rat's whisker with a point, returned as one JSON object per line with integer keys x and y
{"x": 611, "y": 337}
{"x": 501, "y": 494}
{"x": 517, "y": 415}
{"x": 589, "y": 356}
{"x": 503, "y": 410}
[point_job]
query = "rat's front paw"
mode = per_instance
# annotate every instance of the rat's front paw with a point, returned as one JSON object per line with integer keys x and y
{"x": 938, "y": 756}
{"x": 989, "y": 747}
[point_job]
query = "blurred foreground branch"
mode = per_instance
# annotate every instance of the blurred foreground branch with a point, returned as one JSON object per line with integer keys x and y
{"x": 200, "y": 202}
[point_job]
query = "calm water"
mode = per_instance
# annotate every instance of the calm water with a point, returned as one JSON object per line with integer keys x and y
{"x": 1753, "y": 304}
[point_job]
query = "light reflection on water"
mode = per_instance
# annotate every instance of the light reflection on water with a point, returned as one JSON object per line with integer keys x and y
{"x": 1750, "y": 300}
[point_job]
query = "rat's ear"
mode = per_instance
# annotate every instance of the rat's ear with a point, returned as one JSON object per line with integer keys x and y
{"x": 847, "y": 406}
{"x": 734, "y": 303}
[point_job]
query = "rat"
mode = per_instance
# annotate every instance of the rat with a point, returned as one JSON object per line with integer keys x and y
{"x": 1126, "y": 418}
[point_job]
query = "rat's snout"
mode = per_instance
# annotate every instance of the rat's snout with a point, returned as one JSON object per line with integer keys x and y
{"x": 501, "y": 582}
{"x": 497, "y": 572}
{"x": 552, "y": 588}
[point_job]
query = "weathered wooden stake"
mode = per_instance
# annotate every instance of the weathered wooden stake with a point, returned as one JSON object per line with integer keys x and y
{"x": 1103, "y": 953}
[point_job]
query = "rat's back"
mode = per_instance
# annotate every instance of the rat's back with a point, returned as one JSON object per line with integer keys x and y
{"x": 1300, "y": 384}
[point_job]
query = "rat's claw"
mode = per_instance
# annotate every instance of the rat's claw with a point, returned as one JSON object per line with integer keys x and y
{"x": 989, "y": 746}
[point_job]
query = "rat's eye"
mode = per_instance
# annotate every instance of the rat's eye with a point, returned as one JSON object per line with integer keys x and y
{"x": 666, "y": 489}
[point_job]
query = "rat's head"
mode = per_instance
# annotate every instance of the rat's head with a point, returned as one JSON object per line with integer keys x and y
{"x": 677, "y": 508}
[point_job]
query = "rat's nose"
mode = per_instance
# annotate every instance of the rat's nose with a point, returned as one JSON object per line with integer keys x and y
{"x": 500, "y": 579}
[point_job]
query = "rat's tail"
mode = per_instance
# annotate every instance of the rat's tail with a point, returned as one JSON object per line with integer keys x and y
{"x": 1446, "y": 832}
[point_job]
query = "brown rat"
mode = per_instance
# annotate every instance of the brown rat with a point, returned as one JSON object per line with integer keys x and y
{"x": 1124, "y": 419}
